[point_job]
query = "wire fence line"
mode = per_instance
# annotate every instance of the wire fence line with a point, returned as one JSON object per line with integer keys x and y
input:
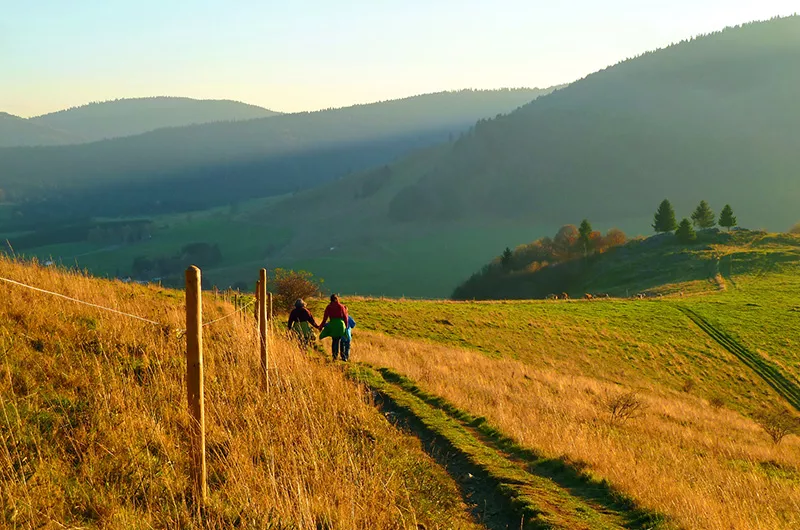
{"x": 116, "y": 311}
{"x": 230, "y": 314}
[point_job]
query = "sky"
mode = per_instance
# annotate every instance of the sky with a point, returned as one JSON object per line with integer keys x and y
{"x": 294, "y": 55}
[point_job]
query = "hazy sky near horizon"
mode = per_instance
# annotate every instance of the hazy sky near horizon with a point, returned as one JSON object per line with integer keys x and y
{"x": 311, "y": 54}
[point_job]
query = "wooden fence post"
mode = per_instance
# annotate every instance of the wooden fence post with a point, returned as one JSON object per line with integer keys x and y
{"x": 194, "y": 381}
{"x": 269, "y": 307}
{"x": 262, "y": 326}
{"x": 258, "y": 293}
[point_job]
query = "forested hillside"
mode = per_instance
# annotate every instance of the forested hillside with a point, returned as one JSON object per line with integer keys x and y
{"x": 199, "y": 166}
{"x": 715, "y": 116}
{"x": 16, "y": 131}
{"x": 126, "y": 117}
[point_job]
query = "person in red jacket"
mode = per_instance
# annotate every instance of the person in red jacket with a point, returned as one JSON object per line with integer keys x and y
{"x": 336, "y": 312}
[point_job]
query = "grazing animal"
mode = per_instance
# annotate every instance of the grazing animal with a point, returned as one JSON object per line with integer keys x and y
{"x": 552, "y": 296}
{"x": 587, "y": 296}
{"x": 564, "y": 296}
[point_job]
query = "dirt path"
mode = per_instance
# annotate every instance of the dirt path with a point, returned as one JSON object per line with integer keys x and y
{"x": 770, "y": 373}
{"x": 508, "y": 486}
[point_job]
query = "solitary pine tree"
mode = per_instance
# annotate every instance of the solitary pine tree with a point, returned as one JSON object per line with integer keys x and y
{"x": 585, "y": 235}
{"x": 505, "y": 259}
{"x": 726, "y": 217}
{"x": 664, "y": 220}
{"x": 703, "y": 216}
{"x": 685, "y": 233}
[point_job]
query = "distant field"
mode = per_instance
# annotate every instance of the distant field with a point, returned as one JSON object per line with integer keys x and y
{"x": 244, "y": 244}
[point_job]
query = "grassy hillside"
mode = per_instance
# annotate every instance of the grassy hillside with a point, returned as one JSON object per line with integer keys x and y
{"x": 200, "y": 166}
{"x": 707, "y": 118}
{"x": 127, "y": 117}
{"x": 544, "y": 373}
{"x": 16, "y": 131}
{"x": 656, "y": 265}
{"x": 93, "y": 423}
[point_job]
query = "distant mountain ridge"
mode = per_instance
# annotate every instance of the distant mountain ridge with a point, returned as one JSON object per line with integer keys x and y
{"x": 16, "y": 132}
{"x": 127, "y": 117}
{"x": 224, "y": 162}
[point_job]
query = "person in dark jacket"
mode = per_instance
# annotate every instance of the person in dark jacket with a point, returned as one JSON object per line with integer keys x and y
{"x": 336, "y": 312}
{"x": 301, "y": 320}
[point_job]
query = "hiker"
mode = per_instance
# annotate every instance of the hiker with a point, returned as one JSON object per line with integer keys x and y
{"x": 336, "y": 312}
{"x": 344, "y": 346}
{"x": 299, "y": 320}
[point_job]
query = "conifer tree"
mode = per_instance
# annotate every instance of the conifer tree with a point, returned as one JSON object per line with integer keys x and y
{"x": 703, "y": 216}
{"x": 664, "y": 219}
{"x": 585, "y": 235}
{"x": 726, "y": 218}
{"x": 685, "y": 232}
{"x": 505, "y": 259}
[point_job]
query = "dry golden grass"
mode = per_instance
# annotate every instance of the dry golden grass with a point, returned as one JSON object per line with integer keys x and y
{"x": 705, "y": 467}
{"x": 93, "y": 423}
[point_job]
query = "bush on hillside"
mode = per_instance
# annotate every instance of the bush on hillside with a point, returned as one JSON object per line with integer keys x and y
{"x": 290, "y": 285}
{"x": 624, "y": 407}
{"x": 778, "y": 424}
{"x": 795, "y": 229}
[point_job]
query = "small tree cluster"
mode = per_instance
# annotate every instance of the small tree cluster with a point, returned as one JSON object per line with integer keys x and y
{"x": 795, "y": 229}
{"x": 290, "y": 285}
{"x": 703, "y": 217}
{"x": 570, "y": 242}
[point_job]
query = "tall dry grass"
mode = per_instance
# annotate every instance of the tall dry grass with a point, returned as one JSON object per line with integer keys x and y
{"x": 708, "y": 468}
{"x": 94, "y": 422}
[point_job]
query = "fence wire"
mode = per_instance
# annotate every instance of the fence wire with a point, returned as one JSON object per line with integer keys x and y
{"x": 116, "y": 311}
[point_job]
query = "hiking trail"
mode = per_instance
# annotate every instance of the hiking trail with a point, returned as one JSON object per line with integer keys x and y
{"x": 509, "y": 486}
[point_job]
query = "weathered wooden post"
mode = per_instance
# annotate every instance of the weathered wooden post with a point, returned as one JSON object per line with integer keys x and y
{"x": 269, "y": 307}
{"x": 262, "y": 326}
{"x": 194, "y": 381}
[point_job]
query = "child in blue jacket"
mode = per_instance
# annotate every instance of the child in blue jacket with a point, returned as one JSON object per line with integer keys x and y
{"x": 347, "y": 338}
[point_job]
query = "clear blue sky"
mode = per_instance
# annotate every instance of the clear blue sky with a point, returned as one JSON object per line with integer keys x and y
{"x": 294, "y": 55}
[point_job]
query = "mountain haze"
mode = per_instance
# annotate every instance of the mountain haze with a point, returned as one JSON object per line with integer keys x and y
{"x": 127, "y": 117}
{"x": 16, "y": 131}
{"x": 215, "y": 164}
